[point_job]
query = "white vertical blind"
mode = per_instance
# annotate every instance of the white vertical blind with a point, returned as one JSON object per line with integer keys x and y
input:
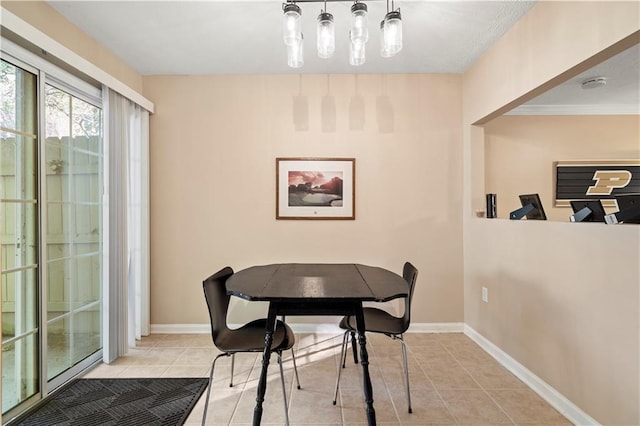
{"x": 128, "y": 287}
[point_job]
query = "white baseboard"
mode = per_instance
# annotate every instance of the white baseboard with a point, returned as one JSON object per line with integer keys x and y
{"x": 180, "y": 328}
{"x": 436, "y": 327}
{"x": 558, "y": 401}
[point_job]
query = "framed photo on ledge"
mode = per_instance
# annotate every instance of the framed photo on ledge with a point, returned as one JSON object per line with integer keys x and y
{"x": 315, "y": 188}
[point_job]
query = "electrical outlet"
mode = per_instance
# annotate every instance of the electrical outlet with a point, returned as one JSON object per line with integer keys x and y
{"x": 485, "y": 295}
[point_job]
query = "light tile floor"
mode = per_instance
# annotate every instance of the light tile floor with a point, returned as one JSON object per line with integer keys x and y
{"x": 453, "y": 382}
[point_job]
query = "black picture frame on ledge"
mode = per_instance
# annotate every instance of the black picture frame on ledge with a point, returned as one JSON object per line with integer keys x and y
{"x": 531, "y": 208}
{"x": 595, "y": 212}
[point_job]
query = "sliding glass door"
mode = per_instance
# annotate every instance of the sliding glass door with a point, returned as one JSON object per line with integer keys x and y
{"x": 51, "y": 191}
{"x": 73, "y": 221}
{"x": 19, "y": 225}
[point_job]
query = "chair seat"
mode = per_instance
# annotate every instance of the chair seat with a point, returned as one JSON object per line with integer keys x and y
{"x": 250, "y": 337}
{"x": 376, "y": 321}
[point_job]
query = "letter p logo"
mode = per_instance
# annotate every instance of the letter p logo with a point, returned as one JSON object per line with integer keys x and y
{"x": 608, "y": 180}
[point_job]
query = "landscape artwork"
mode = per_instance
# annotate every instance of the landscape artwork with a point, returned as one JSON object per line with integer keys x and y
{"x": 322, "y": 189}
{"x": 315, "y": 188}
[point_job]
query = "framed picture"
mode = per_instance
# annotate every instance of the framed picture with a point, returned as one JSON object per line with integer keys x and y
{"x": 315, "y": 188}
{"x": 602, "y": 180}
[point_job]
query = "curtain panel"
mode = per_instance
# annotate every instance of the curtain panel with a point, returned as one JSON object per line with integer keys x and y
{"x": 127, "y": 289}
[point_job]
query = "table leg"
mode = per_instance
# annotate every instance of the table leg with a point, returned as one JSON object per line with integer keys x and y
{"x": 266, "y": 355}
{"x": 364, "y": 361}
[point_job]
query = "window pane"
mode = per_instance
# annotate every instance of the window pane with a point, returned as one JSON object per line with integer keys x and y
{"x": 74, "y": 160}
{"x": 18, "y": 92}
{"x": 86, "y": 333}
{"x": 19, "y": 371}
{"x": 57, "y": 155}
{"x": 88, "y": 272}
{"x": 58, "y": 223}
{"x": 59, "y": 277}
{"x": 71, "y": 339}
{"x": 86, "y": 120}
{"x": 58, "y": 114}
{"x": 18, "y": 170}
{"x": 19, "y": 307}
{"x": 19, "y": 234}
{"x": 58, "y": 347}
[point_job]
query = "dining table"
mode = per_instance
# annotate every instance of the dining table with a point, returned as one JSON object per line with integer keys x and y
{"x": 316, "y": 289}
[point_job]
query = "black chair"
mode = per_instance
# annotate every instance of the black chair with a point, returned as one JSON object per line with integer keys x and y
{"x": 248, "y": 338}
{"x": 378, "y": 321}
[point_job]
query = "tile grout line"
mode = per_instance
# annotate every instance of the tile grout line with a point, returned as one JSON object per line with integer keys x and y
{"x": 456, "y": 349}
{"x": 435, "y": 388}
{"x": 479, "y": 385}
{"x": 386, "y": 386}
{"x": 242, "y": 391}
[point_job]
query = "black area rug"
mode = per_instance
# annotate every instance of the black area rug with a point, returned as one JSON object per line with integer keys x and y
{"x": 89, "y": 402}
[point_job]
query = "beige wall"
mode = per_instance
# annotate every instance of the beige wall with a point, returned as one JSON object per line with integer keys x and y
{"x": 214, "y": 141}
{"x": 520, "y": 151}
{"x": 563, "y": 297}
{"x": 573, "y": 321}
{"x": 49, "y": 21}
{"x": 563, "y": 302}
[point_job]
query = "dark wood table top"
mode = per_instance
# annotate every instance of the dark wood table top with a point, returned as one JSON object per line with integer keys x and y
{"x": 317, "y": 281}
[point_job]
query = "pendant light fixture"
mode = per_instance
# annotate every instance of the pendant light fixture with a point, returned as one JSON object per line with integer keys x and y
{"x": 326, "y": 34}
{"x": 295, "y": 54}
{"x": 359, "y": 33}
{"x": 292, "y": 28}
{"x": 391, "y": 32}
{"x": 357, "y": 53}
{"x": 292, "y": 33}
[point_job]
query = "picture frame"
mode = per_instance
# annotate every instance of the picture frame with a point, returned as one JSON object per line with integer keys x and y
{"x": 595, "y": 180}
{"x": 315, "y": 188}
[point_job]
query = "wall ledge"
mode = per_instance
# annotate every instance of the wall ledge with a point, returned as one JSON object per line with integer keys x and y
{"x": 558, "y": 401}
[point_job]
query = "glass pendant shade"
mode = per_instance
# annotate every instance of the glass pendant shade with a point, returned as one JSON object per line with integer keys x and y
{"x": 383, "y": 47}
{"x": 359, "y": 31}
{"x": 295, "y": 54}
{"x": 326, "y": 35}
{"x": 357, "y": 53}
{"x": 392, "y": 34}
{"x": 292, "y": 27}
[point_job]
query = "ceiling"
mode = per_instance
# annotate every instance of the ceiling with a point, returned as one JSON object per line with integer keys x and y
{"x": 620, "y": 95}
{"x": 245, "y": 37}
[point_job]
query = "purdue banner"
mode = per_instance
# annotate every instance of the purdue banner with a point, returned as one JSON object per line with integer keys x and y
{"x": 593, "y": 180}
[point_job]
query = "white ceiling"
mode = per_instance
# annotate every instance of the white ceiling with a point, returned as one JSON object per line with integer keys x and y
{"x": 245, "y": 37}
{"x": 620, "y": 95}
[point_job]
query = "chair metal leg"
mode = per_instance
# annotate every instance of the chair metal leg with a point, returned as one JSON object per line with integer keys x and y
{"x": 343, "y": 349}
{"x": 284, "y": 390}
{"x": 406, "y": 372}
{"x": 233, "y": 361}
{"x": 343, "y": 356}
{"x": 210, "y": 385}
{"x": 293, "y": 355}
{"x": 295, "y": 367}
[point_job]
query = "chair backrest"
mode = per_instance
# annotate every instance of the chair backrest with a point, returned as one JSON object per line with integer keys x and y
{"x": 410, "y": 274}
{"x": 215, "y": 293}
